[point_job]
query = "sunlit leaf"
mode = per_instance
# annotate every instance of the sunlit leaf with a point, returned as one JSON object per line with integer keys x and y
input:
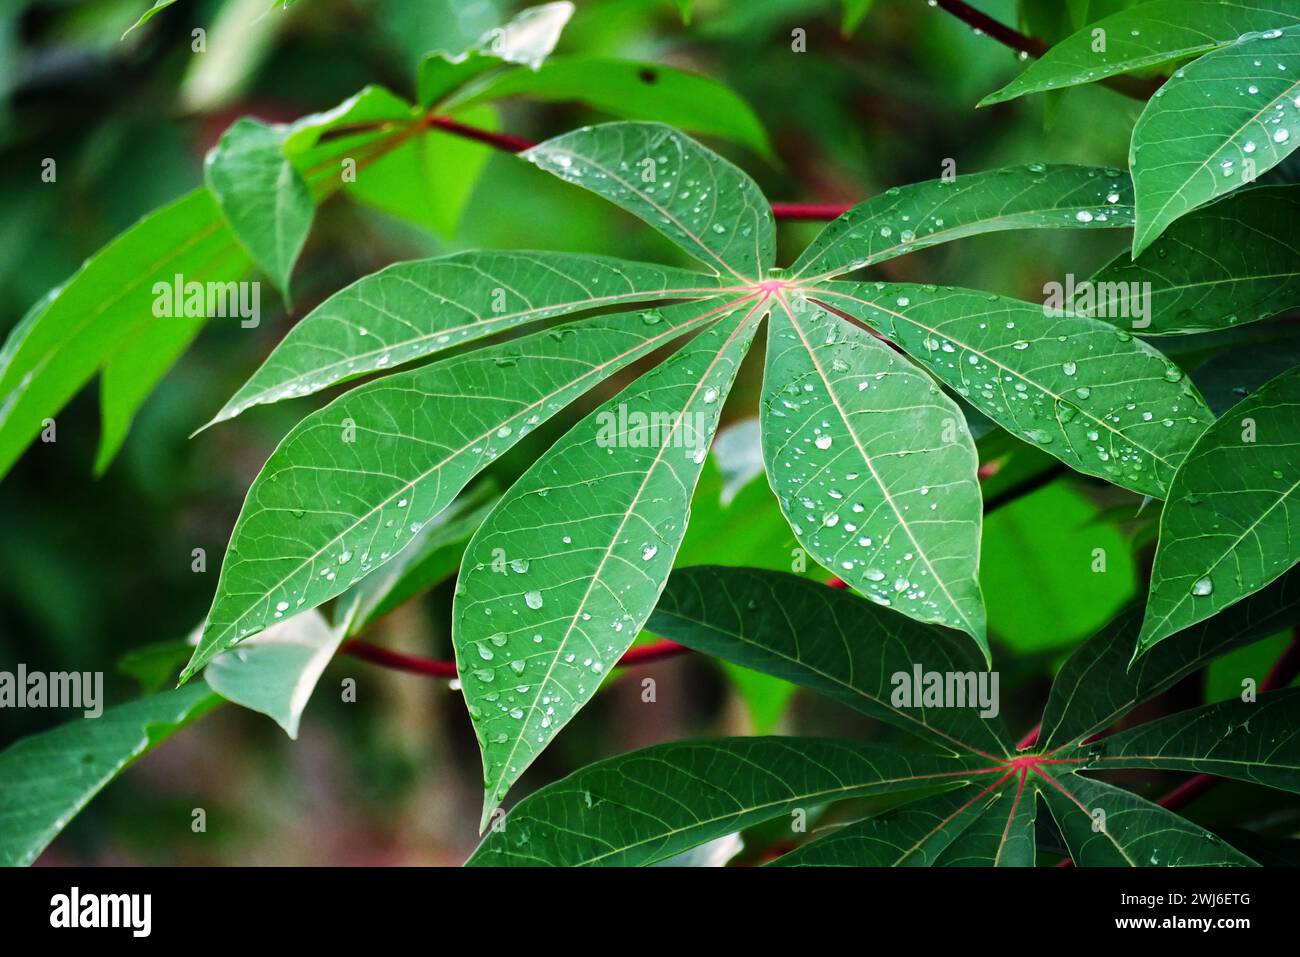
{"x": 46, "y": 779}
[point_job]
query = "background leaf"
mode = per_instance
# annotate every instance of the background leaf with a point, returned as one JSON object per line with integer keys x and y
{"x": 47, "y": 778}
{"x": 1229, "y": 263}
{"x": 1219, "y": 122}
{"x": 629, "y": 810}
{"x": 264, "y": 199}
{"x": 1228, "y": 528}
{"x": 276, "y": 671}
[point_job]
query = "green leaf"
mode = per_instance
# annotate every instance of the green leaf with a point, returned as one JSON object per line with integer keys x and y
{"x": 913, "y": 835}
{"x": 414, "y": 309}
{"x": 1218, "y": 123}
{"x": 692, "y": 195}
{"x": 907, "y": 218}
{"x": 1099, "y": 400}
{"x": 855, "y": 11}
{"x": 134, "y": 370}
{"x": 1105, "y": 826}
{"x": 1096, "y": 687}
{"x": 46, "y": 779}
{"x": 1228, "y": 528}
{"x": 827, "y": 640}
{"x": 529, "y": 39}
{"x": 1146, "y": 36}
{"x": 155, "y": 665}
{"x": 629, "y": 810}
{"x": 158, "y": 7}
{"x": 102, "y": 309}
{"x": 634, "y": 90}
{"x": 427, "y": 179}
{"x": 1231, "y": 374}
{"x": 276, "y": 671}
{"x": 432, "y": 557}
{"x": 1256, "y": 741}
{"x": 561, "y": 577}
{"x": 354, "y": 482}
{"x": 264, "y": 199}
{"x": 873, "y": 468}
{"x": 1230, "y": 263}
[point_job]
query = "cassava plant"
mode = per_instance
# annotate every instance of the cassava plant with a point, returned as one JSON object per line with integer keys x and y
{"x": 882, "y": 404}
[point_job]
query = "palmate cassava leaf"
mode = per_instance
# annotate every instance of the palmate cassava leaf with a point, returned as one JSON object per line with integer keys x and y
{"x": 562, "y": 575}
{"x": 1218, "y": 123}
{"x": 650, "y": 804}
{"x": 567, "y": 567}
{"x": 1229, "y": 263}
{"x": 1146, "y": 36}
{"x": 1101, "y": 401}
{"x": 873, "y": 467}
{"x": 1232, "y": 521}
{"x": 353, "y": 483}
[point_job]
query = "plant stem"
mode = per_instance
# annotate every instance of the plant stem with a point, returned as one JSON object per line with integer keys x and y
{"x": 1138, "y": 89}
{"x": 510, "y": 143}
{"x": 433, "y": 668}
{"x": 1280, "y": 675}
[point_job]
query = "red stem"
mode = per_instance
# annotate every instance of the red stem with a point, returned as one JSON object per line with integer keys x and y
{"x": 433, "y": 668}
{"x": 998, "y": 31}
{"x": 1280, "y": 675}
{"x": 1135, "y": 87}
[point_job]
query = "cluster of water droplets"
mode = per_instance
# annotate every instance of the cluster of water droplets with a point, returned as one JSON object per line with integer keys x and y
{"x": 1087, "y": 388}
{"x": 838, "y": 509}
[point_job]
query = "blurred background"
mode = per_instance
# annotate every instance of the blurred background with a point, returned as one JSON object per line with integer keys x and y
{"x": 93, "y": 570}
